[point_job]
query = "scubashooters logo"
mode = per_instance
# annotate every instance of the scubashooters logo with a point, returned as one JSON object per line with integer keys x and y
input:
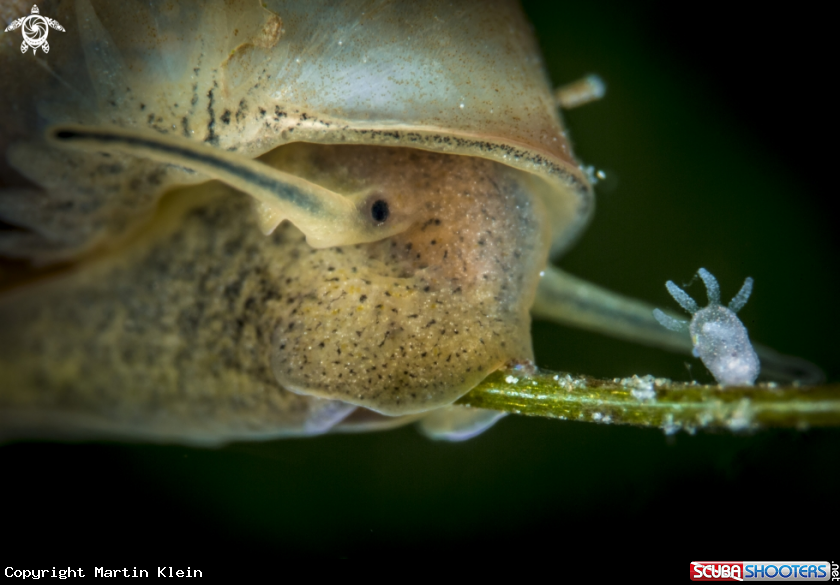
{"x": 761, "y": 571}
{"x": 35, "y": 30}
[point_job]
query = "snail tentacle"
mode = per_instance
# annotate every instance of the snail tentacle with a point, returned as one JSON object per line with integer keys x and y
{"x": 326, "y": 218}
{"x": 580, "y": 92}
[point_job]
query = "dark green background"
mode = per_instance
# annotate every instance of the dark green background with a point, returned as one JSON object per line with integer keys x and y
{"x": 712, "y": 133}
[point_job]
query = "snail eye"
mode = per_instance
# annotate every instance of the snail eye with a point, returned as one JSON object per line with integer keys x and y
{"x": 379, "y": 211}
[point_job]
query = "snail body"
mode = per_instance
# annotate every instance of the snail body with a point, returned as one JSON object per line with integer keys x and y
{"x": 419, "y": 217}
{"x": 406, "y": 161}
{"x": 207, "y": 314}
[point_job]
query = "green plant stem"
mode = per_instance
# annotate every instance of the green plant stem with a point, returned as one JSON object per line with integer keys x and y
{"x": 656, "y": 402}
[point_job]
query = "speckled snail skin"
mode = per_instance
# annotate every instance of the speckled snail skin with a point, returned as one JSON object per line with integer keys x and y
{"x": 415, "y": 149}
{"x": 178, "y": 319}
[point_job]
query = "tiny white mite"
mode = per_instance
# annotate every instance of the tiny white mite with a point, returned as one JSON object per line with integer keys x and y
{"x": 720, "y": 339}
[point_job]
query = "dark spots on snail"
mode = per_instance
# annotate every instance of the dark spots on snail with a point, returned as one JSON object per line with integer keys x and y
{"x": 241, "y": 111}
{"x": 429, "y": 222}
{"x": 225, "y": 117}
{"x": 211, "y": 125}
{"x": 379, "y": 211}
{"x": 142, "y": 107}
{"x": 109, "y": 169}
{"x": 185, "y": 126}
{"x": 232, "y": 291}
{"x": 156, "y": 177}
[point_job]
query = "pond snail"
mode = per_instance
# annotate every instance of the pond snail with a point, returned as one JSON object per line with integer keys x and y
{"x": 415, "y": 150}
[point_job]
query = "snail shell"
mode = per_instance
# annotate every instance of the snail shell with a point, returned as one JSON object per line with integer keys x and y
{"x": 249, "y": 78}
{"x": 179, "y": 319}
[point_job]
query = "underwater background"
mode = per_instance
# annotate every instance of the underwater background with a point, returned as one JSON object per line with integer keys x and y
{"x": 713, "y": 137}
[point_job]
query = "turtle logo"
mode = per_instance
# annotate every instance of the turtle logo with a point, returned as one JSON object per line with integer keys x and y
{"x": 35, "y": 30}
